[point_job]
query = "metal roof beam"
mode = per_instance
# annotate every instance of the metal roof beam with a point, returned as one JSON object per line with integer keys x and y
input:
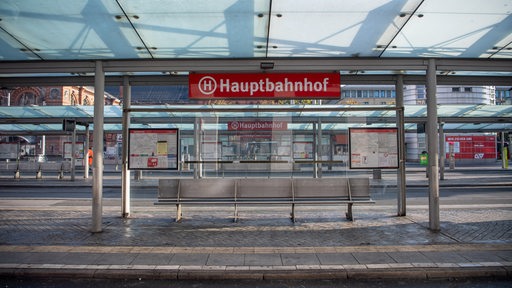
{"x": 253, "y": 65}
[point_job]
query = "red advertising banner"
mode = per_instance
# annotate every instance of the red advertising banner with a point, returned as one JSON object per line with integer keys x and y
{"x": 257, "y": 125}
{"x": 471, "y": 146}
{"x": 265, "y": 85}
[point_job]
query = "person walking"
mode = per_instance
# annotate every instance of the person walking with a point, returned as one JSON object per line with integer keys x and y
{"x": 89, "y": 158}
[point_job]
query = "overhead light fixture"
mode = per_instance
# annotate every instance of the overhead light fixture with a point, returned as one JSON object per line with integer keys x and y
{"x": 267, "y": 65}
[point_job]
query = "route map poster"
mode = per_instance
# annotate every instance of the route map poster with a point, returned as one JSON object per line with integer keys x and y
{"x": 153, "y": 149}
{"x": 373, "y": 148}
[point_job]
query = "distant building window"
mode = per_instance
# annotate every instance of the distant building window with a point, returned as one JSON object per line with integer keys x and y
{"x": 456, "y": 89}
{"x": 421, "y": 93}
{"x": 467, "y": 89}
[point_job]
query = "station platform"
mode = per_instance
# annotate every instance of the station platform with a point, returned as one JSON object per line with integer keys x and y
{"x": 45, "y": 237}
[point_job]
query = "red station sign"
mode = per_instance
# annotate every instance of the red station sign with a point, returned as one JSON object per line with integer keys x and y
{"x": 265, "y": 85}
{"x": 257, "y": 125}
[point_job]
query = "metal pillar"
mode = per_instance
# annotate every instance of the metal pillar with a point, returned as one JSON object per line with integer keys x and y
{"x": 43, "y": 145}
{"x": 433, "y": 153}
{"x": 97, "y": 164}
{"x": 442, "y": 151}
{"x": 400, "y": 123}
{"x": 315, "y": 150}
{"x": 125, "y": 173}
{"x": 319, "y": 147}
{"x": 198, "y": 167}
{"x": 73, "y": 156}
{"x": 86, "y": 153}
{"x": 504, "y": 151}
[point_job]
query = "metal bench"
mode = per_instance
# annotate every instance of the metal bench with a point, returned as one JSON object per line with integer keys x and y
{"x": 285, "y": 191}
{"x": 348, "y": 191}
{"x": 263, "y": 191}
{"x": 195, "y": 191}
{"x": 38, "y": 168}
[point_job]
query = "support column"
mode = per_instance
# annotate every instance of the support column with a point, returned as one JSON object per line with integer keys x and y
{"x": 73, "y": 155}
{"x": 97, "y": 163}
{"x": 315, "y": 151}
{"x": 86, "y": 152}
{"x": 400, "y": 123}
{"x": 43, "y": 145}
{"x": 442, "y": 151}
{"x": 505, "y": 151}
{"x": 125, "y": 173}
{"x": 433, "y": 153}
{"x": 319, "y": 148}
{"x": 198, "y": 167}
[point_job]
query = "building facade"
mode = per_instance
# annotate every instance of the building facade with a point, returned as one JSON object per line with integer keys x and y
{"x": 50, "y": 147}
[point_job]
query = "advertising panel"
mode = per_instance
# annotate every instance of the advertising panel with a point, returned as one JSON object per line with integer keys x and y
{"x": 471, "y": 146}
{"x": 373, "y": 148}
{"x": 265, "y": 85}
{"x": 153, "y": 149}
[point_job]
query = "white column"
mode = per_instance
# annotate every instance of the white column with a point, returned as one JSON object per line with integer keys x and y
{"x": 97, "y": 164}
{"x": 125, "y": 173}
{"x": 86, "y": 152}
{"x": 73, "y": 156}
{"x": 198, "y": 167}
{"x": 433, "y": 153}
{"x": 319, "y": 148}
{"x": 400, "y": 123}
{"x": 442, "y": 151}
{"x": 315, "y": 150}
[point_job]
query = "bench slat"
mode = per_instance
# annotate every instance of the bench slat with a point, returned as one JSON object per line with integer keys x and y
{"x": 207, "y": 188}
{"x": 168, "y": 188}
{"x": 359, "y": 187}
{"x": 320, "y": 187}
{"x": 264, "y": 188}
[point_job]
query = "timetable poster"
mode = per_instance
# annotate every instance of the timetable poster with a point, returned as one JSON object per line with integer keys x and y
{"x": 373, "y": 148}
{"x": 153, "y": 149}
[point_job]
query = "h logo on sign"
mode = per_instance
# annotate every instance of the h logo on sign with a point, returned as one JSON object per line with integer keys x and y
{"x": 207, "y": 85}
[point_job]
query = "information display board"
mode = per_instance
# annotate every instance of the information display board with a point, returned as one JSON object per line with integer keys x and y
{"x": 153, "y": 149}
{"x": 79, "y": 150}
{"x": 373, "y": 148}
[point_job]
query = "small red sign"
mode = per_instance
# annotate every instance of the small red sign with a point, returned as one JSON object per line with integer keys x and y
{"x": 257, "y": 125}
{"x": 152, "y": 162}
{"x": 265, "y": 85}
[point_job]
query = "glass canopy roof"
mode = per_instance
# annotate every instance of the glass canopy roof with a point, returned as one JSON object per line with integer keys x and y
{"x": 190, "y": 29}
{"x": 460, "y": 118}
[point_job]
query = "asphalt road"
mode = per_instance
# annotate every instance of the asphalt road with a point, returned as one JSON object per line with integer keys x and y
{"x": 384, "y": 196}
{"x": 114, "y": 283}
